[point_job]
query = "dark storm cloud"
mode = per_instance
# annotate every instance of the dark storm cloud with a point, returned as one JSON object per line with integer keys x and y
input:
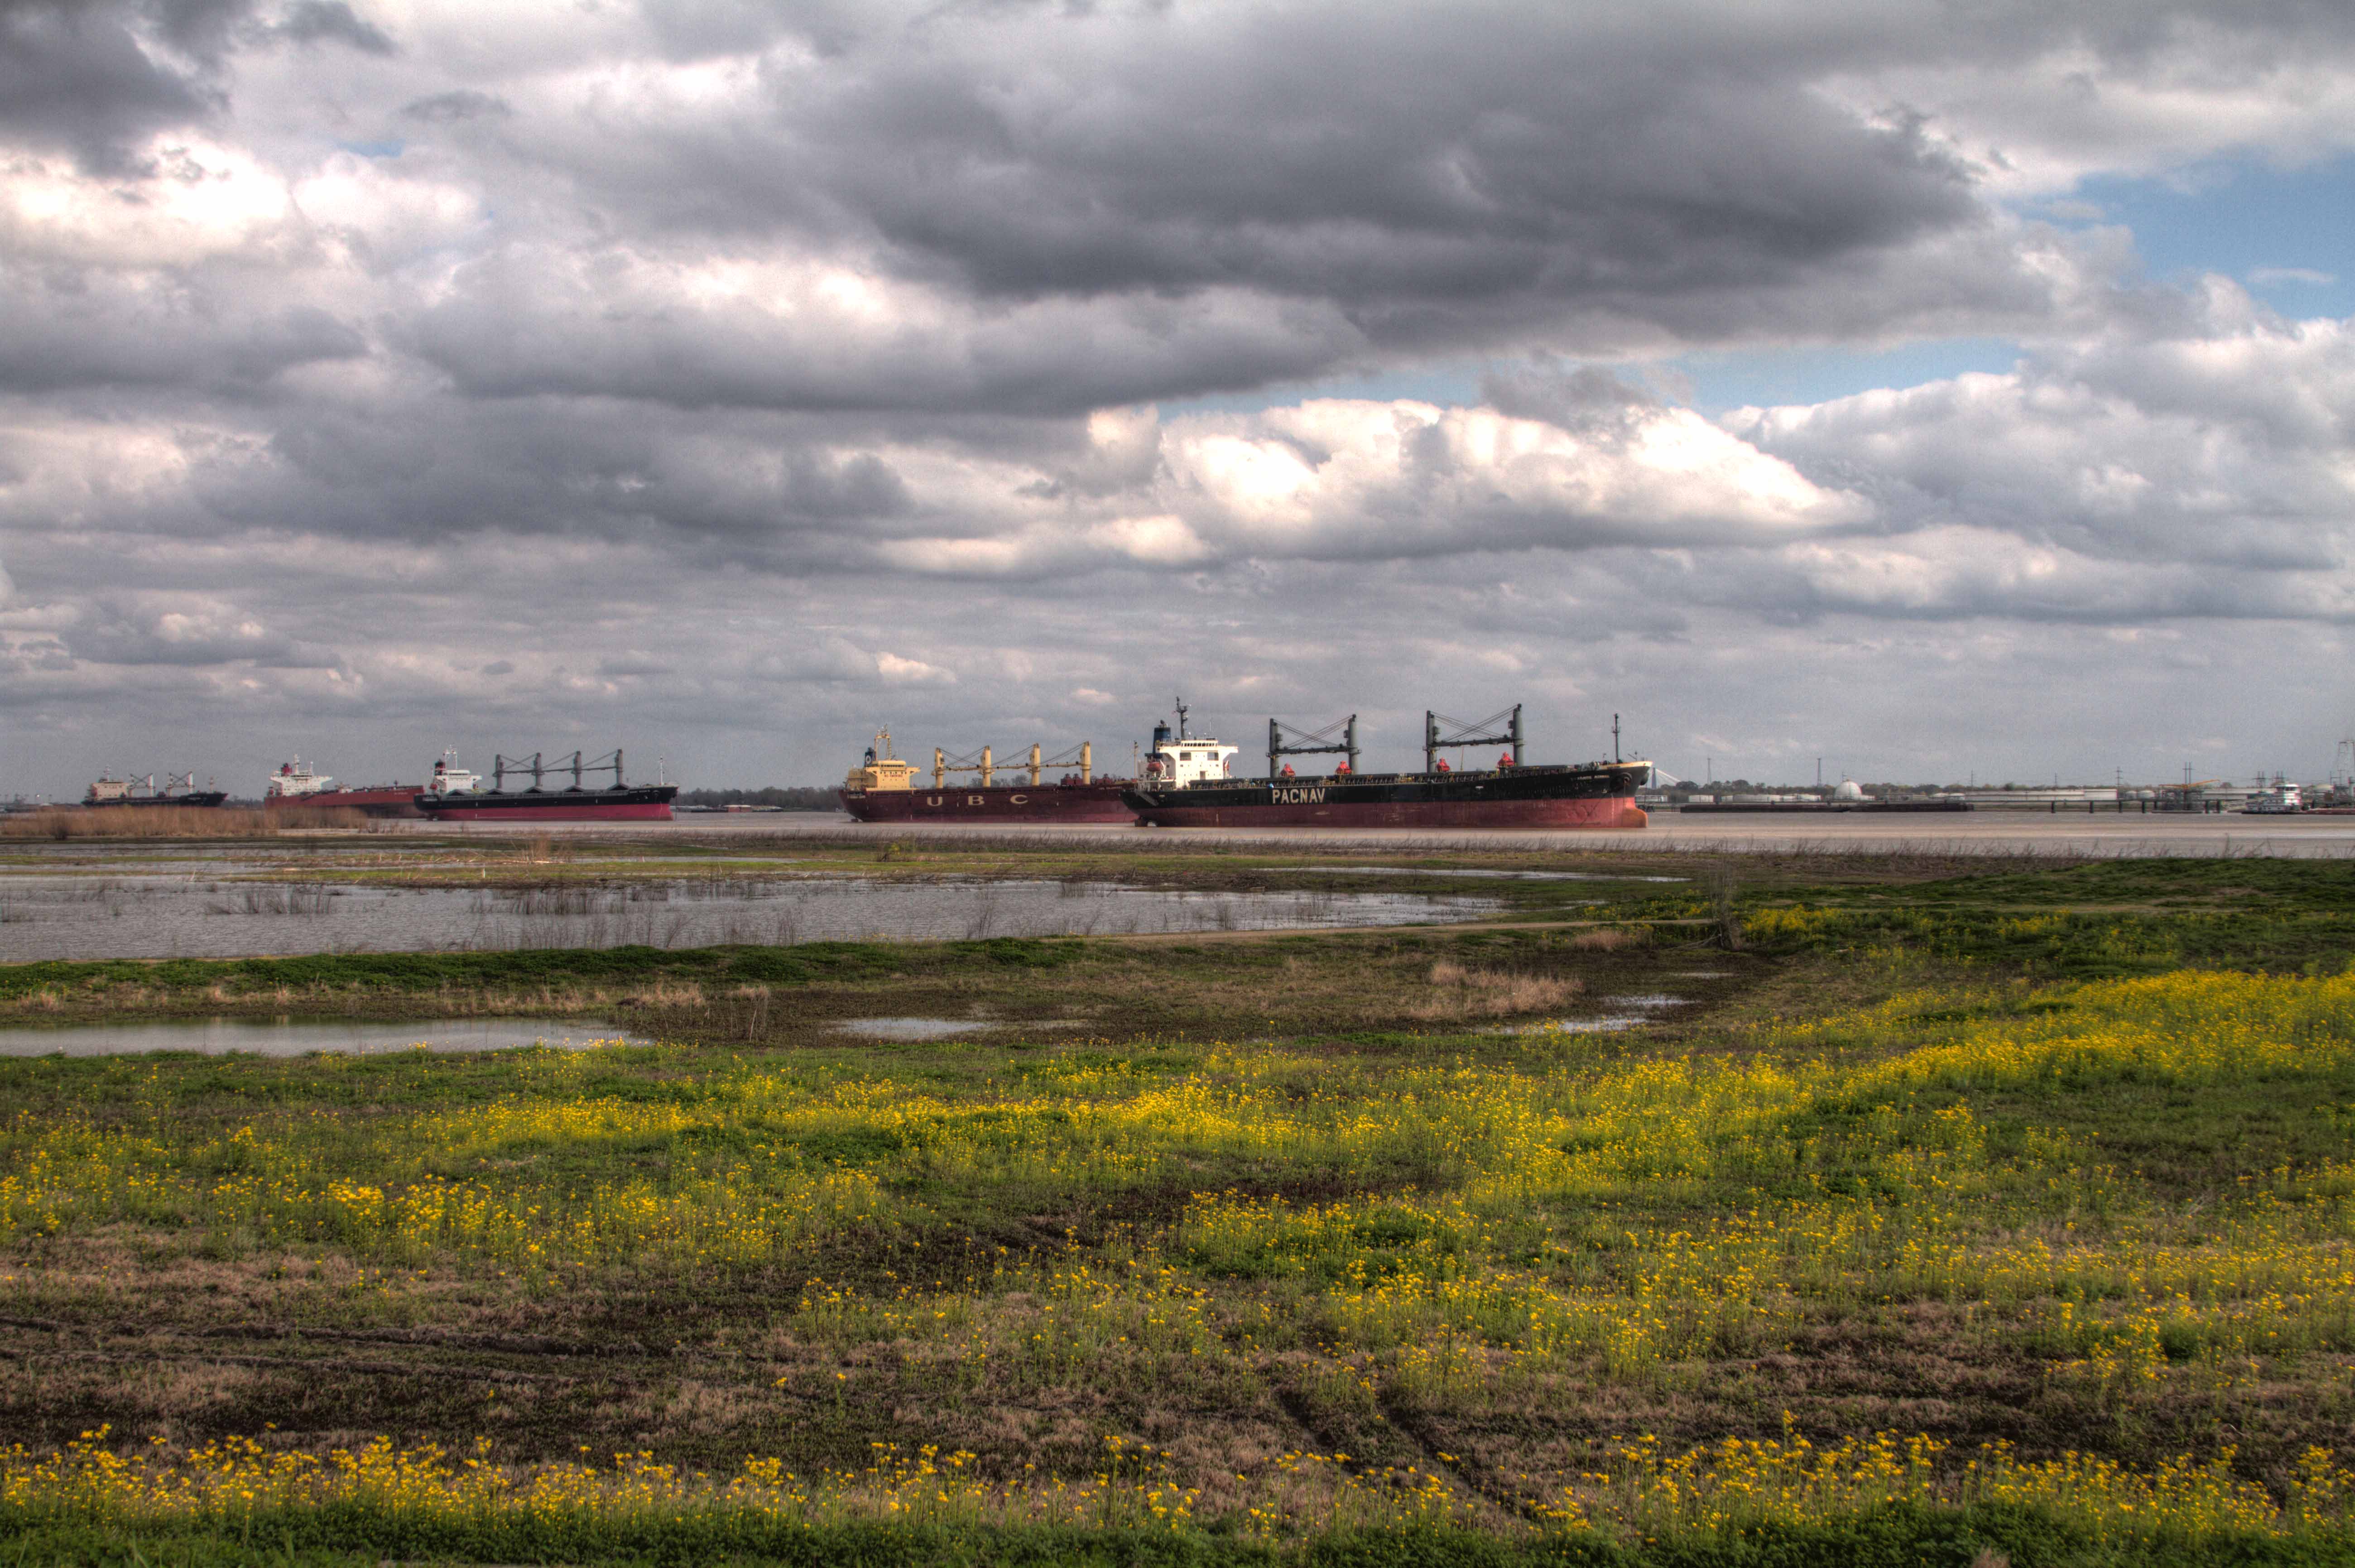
{"x": 1055, "y": 212}
{"x": 75, "y": 75}
{"x": 533, "y": 321}
{"x": 331, "y": 21}
{"x": 458, "y": 104}
{"x": 94, "y": 333}
{"x": 1379, "y": 157}
{"x": 1108, "y": 208}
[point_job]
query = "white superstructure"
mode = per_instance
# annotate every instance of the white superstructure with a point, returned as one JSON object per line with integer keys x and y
{"x": 293, "y": 780}
{"x": 2281, "y": 799}
{"x": 450, "y": 779}
{"x": 1181, "y": 759}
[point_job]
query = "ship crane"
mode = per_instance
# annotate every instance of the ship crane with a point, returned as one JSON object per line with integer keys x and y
{"x": 611, "y": 762}
{"x": 1311, "y": 743}
{"x": 1463, "y": 734}
{"x": 983, "y": 762}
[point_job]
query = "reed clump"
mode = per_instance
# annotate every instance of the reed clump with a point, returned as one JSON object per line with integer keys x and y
{"x": 74, "y": 822}
{"x": 1475, "y": 992}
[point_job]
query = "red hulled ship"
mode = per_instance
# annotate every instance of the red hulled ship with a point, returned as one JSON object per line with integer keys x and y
{"x": 295, "y": 786}
{"x": 885, "y": 788}
{"x": 1188, "y": 784}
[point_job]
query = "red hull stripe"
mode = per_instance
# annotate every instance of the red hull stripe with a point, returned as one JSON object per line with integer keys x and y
{"x": 1604, "y": 811}
{"x": 651, "y": 811}
{"x": 386, "y": 800}
{"x": 384, "y": 794}
{"x": 1048, "y": 803}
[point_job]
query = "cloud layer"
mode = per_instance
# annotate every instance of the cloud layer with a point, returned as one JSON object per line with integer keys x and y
{"x": 377, "y": 377}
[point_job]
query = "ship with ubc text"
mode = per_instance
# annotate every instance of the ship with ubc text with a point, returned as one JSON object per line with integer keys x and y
{"x": 456, "y": 794}
{"x": 1189, "y": 783}
{"x": 888, "y": 788}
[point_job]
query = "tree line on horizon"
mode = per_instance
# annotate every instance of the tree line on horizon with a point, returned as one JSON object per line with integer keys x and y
{"x": 783, "y": 797}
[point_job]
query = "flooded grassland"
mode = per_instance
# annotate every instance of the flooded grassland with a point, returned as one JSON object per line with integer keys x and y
{"x": 1999, "y": 1214}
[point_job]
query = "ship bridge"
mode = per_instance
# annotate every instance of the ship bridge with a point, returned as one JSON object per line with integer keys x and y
{"x": 1181, "y": 759}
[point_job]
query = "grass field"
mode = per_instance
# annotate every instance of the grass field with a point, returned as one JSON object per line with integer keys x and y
{"x": 1998, "y": 1216}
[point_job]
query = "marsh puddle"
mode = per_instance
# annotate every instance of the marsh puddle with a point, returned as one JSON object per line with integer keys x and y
{"x": 1643, "y": 1008}
{"x": 193, "y": 916}
{"x": 298, "y": 1037}
{"x": 912, "y": 1028}
{"x": 1475, "y": 872}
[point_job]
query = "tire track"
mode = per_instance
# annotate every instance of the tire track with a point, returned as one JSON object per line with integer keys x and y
{"x": 1473, "y": 1473}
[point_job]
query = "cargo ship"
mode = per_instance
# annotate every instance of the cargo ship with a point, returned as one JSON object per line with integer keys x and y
{"x": 1189, "y": 783}
{"x": 886, "y": 788}
{"x": 179, "y": 789}
{"x": 456, "y": 794}
{"x": 296, "y": 785}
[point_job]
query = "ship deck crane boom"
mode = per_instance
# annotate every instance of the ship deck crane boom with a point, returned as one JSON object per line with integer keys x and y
{"x": 1311, "y": 743}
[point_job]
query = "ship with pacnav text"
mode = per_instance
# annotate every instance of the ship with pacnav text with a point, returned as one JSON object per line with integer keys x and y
{"x": 456, "y": 794}
{"x": 887, "y": 788}
{"x": 297, "y": 785}
{"x": 1189, "y": 783}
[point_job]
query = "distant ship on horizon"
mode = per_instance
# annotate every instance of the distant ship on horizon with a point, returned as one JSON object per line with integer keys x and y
{"x": 179, "y": 789}
{"x": 296, "y": 784}
{"x": 885, "y": 788}
{"x": 1189, "y": 783}
{"x": 456, "y": 794}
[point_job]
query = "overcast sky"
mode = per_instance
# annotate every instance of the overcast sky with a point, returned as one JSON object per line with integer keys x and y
{"x": 1937, "y": 389}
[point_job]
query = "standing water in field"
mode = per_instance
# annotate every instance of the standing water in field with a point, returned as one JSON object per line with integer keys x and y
{"x": 191, "y": 917}
{"x": 297, "y": 1037}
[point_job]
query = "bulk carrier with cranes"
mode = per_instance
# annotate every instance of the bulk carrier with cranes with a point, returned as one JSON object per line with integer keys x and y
{"x": 178, "y": 789}
{"x": 888, "y": 788}
{"x": 1189, "y": 783}
{"x": 456, "y": 794}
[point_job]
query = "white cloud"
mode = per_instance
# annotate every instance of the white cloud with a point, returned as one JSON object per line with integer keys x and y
{"x": 202, "y": 203}
{"x": 898, "y": 671}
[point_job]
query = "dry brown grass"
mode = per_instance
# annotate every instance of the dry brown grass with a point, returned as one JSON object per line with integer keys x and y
{"x": 1609, "y": 939}
{"x": 70, "y": 822}
{"x": 544, "y": 849}
{"x": 1465, "y": 993}
{"x": 668, "y": 994}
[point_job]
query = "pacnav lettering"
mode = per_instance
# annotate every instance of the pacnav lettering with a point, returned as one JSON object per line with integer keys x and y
{"x": 1297, "y": 797}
